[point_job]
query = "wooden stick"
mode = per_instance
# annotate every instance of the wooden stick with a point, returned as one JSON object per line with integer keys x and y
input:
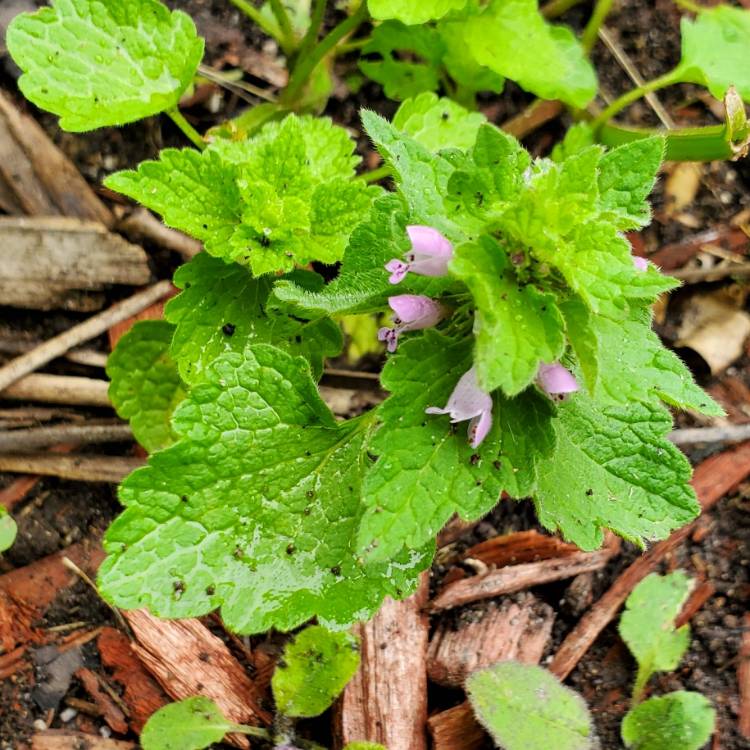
{"x": 514, "y": 578}
{"x": 698, "y": 597}
{"x": 95, "y": 325}
{"x": 696, "y": 275}
{"x": 715, "y": 477}
{"x": 12, "y": 441}
{"x": 730, "y": 433}
{"x": 743, "y": 677}
{"x": 142, "y": 223}
{"x": 59, "y": 389}
{"x": 81, "y": 468}
{"x": 90, "y": 357}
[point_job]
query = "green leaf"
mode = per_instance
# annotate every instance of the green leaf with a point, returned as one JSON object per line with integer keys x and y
{"x": 316, "y": 666}
{"x": 285, "y": 197}
{"x": 145, "y": 386}
{"x": 8, "y": 529}
{"x": 254, "y": 509}
{"x": 676, "y": 721}
{"x": 222, "y": 308}
{"x": 714, "y": 50}
{"x": 516, "y": 326}
{"x": 190, "y": 724}
{"x": 512, "y": 38}
{"x": 524, "y": 707}
{"x": 613, "y": 468}
{"x": 647, "y": 624}
{"x": 426, "y": 469}
{"x": 412, "y": 11}
{"x": 104, "y": 62}
{"x": 402, "y": 78}
{"x": 364, "y": 746}
{"x": 624, "y": 361}
{"x": 438, "y": 123}
{"x": 627, "y": 175}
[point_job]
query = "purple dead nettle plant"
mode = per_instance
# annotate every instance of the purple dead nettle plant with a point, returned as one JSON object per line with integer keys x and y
{"x": 641, "y": 264}
{"x": 556, "y": 381}
{"x": 411, "y": 313}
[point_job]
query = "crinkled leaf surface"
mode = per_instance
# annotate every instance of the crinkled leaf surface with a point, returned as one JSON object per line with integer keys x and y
{"x": 516, "y": 327}
{"x": 438, "y": 123}
{"x": 190, "y": 724}
{"x": 285, "y": 197}
{"x": 222, "y": 308}
{"x": 677, "y": 721}
{"x": 512, "y": 38}
{"x": 524, "y": 707}
{"x": 8, "y": 529}
{"x": 413, "y": 12}
{"x": 613, "y": 468}
{"x": 104, "y": 62}
{"x": 254, "y": 509}
{"x": 316, "y": 666}
{"x": 426, "y": 469}
{"x": 714, "y": 50}
{"x": 647, "y": 624}
{"x": 145, "y": 386}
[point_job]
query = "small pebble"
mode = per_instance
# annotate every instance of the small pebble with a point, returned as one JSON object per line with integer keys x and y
{"x": 105, "y": 731}
{"x": 68, "y": 714}
{"x": 40, "y": 725}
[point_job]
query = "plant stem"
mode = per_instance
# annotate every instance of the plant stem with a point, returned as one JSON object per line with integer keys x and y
{"x": 641, "y": 678}
{"x": 590, "y": 33}
{"x": 311, "y": 36}
{"x": 259, "y": 732}
{"x": 179, "y": 120}
{"x": 633, "y": 95}
{"x": 258, "y": 18}
{"x": 556, "y": 8}
{"x": 353, "y": 46}
{"x": 307, "y": 64}
{"x": 384, "y": 170}
{"x": 282, "y": 18}
{"x": 689, "y": 5}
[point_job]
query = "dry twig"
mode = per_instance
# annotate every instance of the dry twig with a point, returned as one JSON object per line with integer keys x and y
{"x": 12, "y": 441}
{"x": 80, "y": 468}
{"x": 59, "y": 389}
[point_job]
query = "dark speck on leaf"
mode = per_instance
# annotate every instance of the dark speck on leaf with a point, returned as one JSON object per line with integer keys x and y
{"x": 307, "y": 453}
{"x": 497, "y": 465}
{"x": 237, "y": 553}
{"x": 307, "y": 510}
{"x": 264, "y": 241}
{"x": 478, "y": 482}
{"x": 210, "y": 590}
{"x": 290, "y": 549}
{"x": 309, "y": 494}
{"x": 372, "y": 457}
{"x": 228, "y": 329}
{"x": 184, "y": 498}
{"x": 445, "y": 116}
{"x": 474, "y": 460}
{"x": 280, "y": 664}
{"x": 336, "y": 570}
{"x": 204, "y": 656}
{"x": 589, "y": 492}
{"x": 178, "y": 586}
{"x": 298, "y": 339}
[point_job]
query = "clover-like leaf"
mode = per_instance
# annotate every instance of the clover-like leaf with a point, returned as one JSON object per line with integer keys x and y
{"x": 677, "y": 721}
{"x": 426, "y": 470}
{"x": 104, "y": 62}
{"x": 512, "y": 38}
{"x": 8, "y": 529}
{"x": 647, "y": 624}
{"x": 254, "y": 509}
{"x": 222, "y": 307}
{"x": 316, "y": 666}
{"x": 190, "y": 724}
{"x": 413, "y": 12}
{"x": 524, "y": 707}
{"x": 613, "y": 468}
{"x": 145, "y": 386}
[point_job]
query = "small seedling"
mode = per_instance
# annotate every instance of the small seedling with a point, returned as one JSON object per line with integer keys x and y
{"x": 8, "y": 530}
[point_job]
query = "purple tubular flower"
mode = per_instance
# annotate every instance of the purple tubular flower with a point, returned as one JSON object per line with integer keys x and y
{"x": 469, "y": 401}
{"x": 429, "y": 255}
{"x": 555, "y": 380}
{"x": 641, "y": 264}
{"x": 411, "y": 312}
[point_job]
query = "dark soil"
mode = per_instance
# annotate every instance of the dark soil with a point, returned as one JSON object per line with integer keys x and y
{"x": 58, "y": 513}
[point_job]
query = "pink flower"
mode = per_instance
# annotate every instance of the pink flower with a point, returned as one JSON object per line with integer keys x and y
{"x": 555, "y": 380}
{"x": 469, "y": 401}
{"x": 641, "y": 264}
{"x": 429, "y": 255}
{"x": 411, "y": 312}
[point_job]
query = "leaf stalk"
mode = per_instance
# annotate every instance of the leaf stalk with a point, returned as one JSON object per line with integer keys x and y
{"x": 192, "y": 134}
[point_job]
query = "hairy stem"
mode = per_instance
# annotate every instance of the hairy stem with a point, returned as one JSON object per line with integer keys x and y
{"x": 308, "y": 64}
{"x": 282, "y": 18}
{"x": 384, "y": 170}
{"x": 258, "y": 18}
{"x": 556, "y": 8}
{"x": 178, "y": 119}
{"x": 633, "y": 95}
{"x": 590, "y": 33}
{"x": 641, "y": 679}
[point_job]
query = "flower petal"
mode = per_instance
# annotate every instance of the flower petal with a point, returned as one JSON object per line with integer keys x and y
{"x": 428, "y": 241}
{"x": 479, "y": 428}
{"x": 555, "y": 379}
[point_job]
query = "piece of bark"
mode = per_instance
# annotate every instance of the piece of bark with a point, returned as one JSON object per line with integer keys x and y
{"x": 83, "y": 468}
{"x": 171, "y": 649}
{"x": 48, "y": 261}
{"x": 515, "y": 630}
{"x": 111, "y": 712}
{"x": 386, "y": 700}
{"x": 743, "y": 678}
{"x": 514, "y": 578}
{"x": 527, "y": 635}
{"x": 520, "y": 547}
{"x": 712, "y": 479}
{"x": 65, "y": 739}
{"x": 37, "y": 177}
{"x": 140, "y": 692}
{"x": 59, "y": 389}
{"x": 675, "y": 255}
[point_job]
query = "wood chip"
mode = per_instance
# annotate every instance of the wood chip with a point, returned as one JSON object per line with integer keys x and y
{"x": 527, "y": 634}
{"x": 111, "y": 712}
{"x": 514, "y": 578}
{"x": 511, "y": 631}
{"x": 187, "y": 659}
{"x": 140, "y": 692}
{"x": 520, "y": 547}
{"x": 64, "y": 739}
{"x": 743, "y": 678}
{"x": 48, "y": 261}
{"x": 84, "y": 468}
{"x": 712, "y": 479}
{"x": 386, "y": 700}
